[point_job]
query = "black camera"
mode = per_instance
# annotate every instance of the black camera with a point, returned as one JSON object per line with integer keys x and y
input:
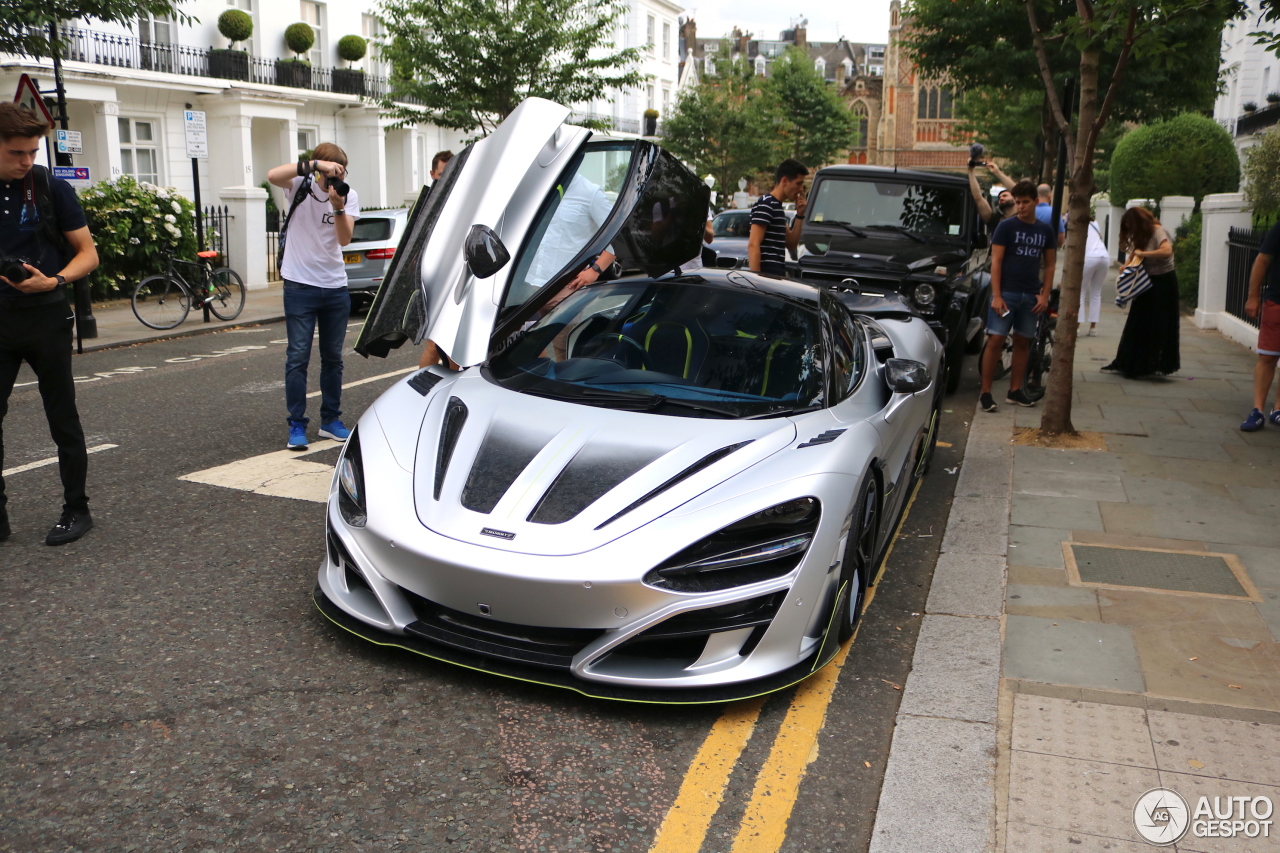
{"x": 976, "y": 150}
{"x": 12, "y": 269}
{"x": 342, "y": 188}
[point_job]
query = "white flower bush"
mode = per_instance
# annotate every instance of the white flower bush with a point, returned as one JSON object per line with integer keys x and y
{"x": 134, "y": 229}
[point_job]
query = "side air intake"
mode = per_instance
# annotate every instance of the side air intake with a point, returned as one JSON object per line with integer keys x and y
{"x": 454, "y": 418}
{"x": 705, "y": 462}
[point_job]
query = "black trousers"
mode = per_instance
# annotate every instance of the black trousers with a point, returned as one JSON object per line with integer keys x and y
{"x": 40, "y": 335}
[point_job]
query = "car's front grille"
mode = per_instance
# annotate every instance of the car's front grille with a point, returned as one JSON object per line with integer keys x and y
{"x": 684, "y": 636}
{"x": 834, "y": 277}
{"x": 549, "y": 647}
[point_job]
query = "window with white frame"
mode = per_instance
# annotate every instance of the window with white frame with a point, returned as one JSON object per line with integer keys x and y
{"x": 155, "y": 41}
{"x": 371, "y": 30}
{"x": 649, "y": 93}
{"x": 666, "y": 100}
{"x": 246, "y": 6}
{"x": 648, "y": 43}
{"x": 666, "y": 40}
{"x": 306, "y": 139}
{"x": 313, "y": 16}
{"x": 139, "y": 154}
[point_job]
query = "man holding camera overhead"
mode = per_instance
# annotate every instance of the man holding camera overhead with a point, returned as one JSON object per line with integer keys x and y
{"x": 322, "y": 214}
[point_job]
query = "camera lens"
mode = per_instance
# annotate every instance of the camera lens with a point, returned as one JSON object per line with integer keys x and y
{"x": 12, "y": 269}
{"x": 342, "y": 188}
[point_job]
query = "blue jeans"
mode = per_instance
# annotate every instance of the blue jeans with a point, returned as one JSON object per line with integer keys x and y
{"x": 1021, "y": 320}
{"x": 305, "y": 308}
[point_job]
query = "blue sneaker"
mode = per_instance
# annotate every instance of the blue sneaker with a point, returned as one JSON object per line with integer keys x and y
{"x": 297, "y": 435}
{"x": 1274, "y": 417}
{"x": 1254, "y": 422}
{"x": 334, "y": 430}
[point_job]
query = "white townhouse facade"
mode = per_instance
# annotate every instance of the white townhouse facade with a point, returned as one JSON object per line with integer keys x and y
{"x": 128, "y": 87}
{"x": 1249, "y": 73}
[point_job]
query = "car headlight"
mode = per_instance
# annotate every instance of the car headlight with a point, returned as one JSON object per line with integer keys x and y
{"x": 924, "y": 294}
{"x": 762, "y": 546}
{"x": 351, "y": 497}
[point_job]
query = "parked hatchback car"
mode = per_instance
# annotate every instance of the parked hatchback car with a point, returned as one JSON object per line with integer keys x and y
{"x": 878, "y": 230}
{"x": 373, "y": 244}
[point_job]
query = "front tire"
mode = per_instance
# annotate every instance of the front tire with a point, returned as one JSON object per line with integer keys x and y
{"x": 858, "y": 563}
{"x": 160, "y": 302}
{"x": 227, "y": 299}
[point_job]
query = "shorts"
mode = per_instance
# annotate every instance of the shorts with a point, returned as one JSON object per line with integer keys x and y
{"x": 1021, "y": 320}
{"x": 1269, "y": 329}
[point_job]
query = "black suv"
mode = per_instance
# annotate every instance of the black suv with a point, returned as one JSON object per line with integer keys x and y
{"x": 872, "y": 229}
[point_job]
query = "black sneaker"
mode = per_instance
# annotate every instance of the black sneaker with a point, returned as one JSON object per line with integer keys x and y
{"x": 1109, "y": 368}
{"x": 1019, "y": 398}
{"x": 4, "y": 524}
{"x": 72, "y": 525}
{"x": 987, "y": 402}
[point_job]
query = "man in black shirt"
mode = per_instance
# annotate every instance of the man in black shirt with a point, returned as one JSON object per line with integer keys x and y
{"x": 43, "y": 227}
{"x": 771, "y": 238}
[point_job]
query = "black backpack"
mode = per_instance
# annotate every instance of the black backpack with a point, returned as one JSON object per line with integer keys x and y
{"x": 48, "y": 213}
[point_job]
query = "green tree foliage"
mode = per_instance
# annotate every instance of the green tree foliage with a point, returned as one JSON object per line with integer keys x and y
{"x": 235, "y": 25}
{"x": 1190, "y": 155}
{"x": 1262, "y": 175}
{"x": 352, "y": 48}
{"x": 1186, "y": 259}
{"x": 133, "y": 225}
{"x": 1009, "y": 124}
{"x": 23, "y": 23}
{"x": 819, "y": 127}
{"x": 299, "y": 37}
{"x": 727, "y": 125}
{"x": 469, "y": 63}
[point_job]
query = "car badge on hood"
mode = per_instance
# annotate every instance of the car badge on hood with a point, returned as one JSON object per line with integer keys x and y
{"x": 501, "y": 534}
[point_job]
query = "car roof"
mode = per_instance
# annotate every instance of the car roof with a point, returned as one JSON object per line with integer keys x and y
{"x": 783, "y": 287}
{"x": 891, "y": 174}
{"x": 393, "y": 212}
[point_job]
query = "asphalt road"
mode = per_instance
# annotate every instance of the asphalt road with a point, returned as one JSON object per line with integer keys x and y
{"x": 167, "y": 684}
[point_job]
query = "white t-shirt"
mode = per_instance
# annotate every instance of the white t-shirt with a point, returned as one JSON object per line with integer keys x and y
{"x": 580, "y": 214}
{"x": 1094, "y": 247}
{"x": 312, "y": 254}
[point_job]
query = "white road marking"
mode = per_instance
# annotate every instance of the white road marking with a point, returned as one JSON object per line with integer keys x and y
{"x": 281, "y": 474}
{"x": 8, "y": 472}
{"x": 371, "y": 379}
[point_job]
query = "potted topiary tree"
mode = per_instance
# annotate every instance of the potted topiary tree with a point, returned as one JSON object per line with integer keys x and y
{"x": 296, "y": 72}
{"x": 1273, "y": 99}
{"x": 1249, "y": 108}
{"x": 231, "y": 64}
{"x": 650, "y": 122}
{"x": 350, "y": 81}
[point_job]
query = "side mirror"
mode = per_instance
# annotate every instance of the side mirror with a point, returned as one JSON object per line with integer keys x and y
{"x": 904, "y": 376}
{"x": 484, "y": 251}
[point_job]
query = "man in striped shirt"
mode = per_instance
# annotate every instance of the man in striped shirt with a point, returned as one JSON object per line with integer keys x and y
{"x": 770, "y": 237}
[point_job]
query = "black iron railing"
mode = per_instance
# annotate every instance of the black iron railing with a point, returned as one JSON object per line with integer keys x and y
{"x": 217, "y": 226}
{"x": 1258, "y": 120}
{"x": 1242, "y": 249}
{"x": 117, "y": 51}
{"x": 273, "y": 255}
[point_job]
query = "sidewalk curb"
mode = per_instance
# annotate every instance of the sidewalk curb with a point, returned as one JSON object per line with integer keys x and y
{"x": 940, "y": 782}
{"x": 192, "y": 332}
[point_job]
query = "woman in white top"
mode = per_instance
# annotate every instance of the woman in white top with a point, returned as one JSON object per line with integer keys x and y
{"x": 1096, "y": 261}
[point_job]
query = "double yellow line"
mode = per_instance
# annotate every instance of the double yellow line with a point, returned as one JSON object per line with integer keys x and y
{"x": 764, "y": 824}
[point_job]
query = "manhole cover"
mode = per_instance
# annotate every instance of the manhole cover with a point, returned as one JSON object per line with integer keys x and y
{"x": 1194, "y": 572}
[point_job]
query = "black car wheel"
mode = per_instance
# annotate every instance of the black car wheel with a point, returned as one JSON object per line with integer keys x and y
{"x": 858, "y": 562}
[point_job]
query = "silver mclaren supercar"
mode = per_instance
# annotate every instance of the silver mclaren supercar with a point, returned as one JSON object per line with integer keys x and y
{"x": 671, "y": 485}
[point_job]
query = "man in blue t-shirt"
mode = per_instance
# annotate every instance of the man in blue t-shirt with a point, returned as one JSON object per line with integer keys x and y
{"x": 1264, "y": 303}
{"x": 43, "y": 226}
{"x": 1044, "y": 211}
{"x": 1020, "y": 246}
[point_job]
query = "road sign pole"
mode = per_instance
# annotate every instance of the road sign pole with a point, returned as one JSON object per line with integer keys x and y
{"x": 195, "y": 182}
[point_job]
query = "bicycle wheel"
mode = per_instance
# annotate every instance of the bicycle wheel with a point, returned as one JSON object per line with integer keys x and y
{"x": 226, "y": 301}
{"x": 160, "y": 302}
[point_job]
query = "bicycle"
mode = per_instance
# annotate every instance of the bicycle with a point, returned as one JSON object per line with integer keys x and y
{"x": 163, "y": 301}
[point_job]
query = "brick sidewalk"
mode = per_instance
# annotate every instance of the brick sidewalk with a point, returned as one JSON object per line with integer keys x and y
{"x": 1108, "y": 687}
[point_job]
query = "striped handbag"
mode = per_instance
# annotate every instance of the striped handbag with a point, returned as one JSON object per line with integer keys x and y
{"x": 1131, "y": 282}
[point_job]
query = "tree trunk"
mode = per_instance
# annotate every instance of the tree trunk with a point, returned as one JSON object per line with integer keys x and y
{"x": 1056, "y": 419}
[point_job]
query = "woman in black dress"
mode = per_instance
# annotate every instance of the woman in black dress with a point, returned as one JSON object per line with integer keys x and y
{"x": 1149, "y": 343}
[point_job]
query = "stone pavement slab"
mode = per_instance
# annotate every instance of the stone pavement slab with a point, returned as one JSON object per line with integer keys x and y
{"x": 1064, "y": 652}
{"x": 1077, "y": 795}
{"x": 1192, "y": 788}
{"x": 1070, "y": 484}
{"x": 967, "y": 585}
{"x": 1037, "y": 546}
{"x": 978, "y": 526}
{"x": 956, "y": 672}
{"x": 1089, "y": 731}
{"x": 1217, "y": 748}
{"x": 1073, "y": 513}
{"x": 1052, "y": 602}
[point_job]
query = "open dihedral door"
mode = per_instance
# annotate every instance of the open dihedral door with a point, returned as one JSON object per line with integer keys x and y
{"x": 556, "y": 201}
{"x": 428, "y": 290}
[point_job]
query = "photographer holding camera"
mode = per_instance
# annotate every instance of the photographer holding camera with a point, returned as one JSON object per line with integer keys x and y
{"x": 44, "y": 242}
{"x": 320, "y": 222}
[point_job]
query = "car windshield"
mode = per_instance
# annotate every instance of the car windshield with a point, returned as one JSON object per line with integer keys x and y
{"x": 675, "y": 347}
{"x": 889, "y": 205}
{"x": 370, "y": 229}
{"x": 736, "y": 224}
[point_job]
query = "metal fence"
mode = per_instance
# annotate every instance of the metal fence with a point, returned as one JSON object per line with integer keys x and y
{"x": 273, "y": 255}
{"x": 1242, "y": 249}
{"x": 116, "y": 51}
{"x": 217, "y": 225}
